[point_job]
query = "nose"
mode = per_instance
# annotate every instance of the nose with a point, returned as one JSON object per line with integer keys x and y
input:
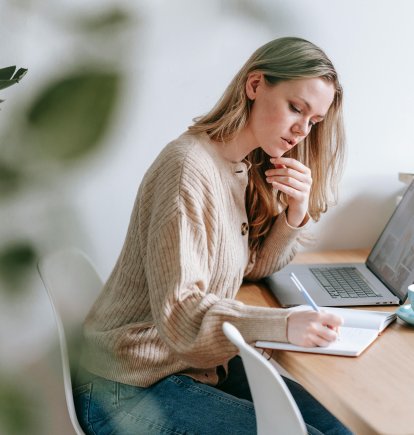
{"x": 301, "y": 128}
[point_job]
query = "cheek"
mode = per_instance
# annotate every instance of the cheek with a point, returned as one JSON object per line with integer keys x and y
{"x": 277, "y": 114}
{"x": 267, "y": 117}
{"x": 274, "y": 123}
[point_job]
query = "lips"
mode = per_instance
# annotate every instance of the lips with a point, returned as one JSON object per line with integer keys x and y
{"x": 290, "y": 142}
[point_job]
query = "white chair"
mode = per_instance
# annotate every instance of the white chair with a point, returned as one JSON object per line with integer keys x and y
{"x": 72, "y": 285}
{"x": 276, "y": 410}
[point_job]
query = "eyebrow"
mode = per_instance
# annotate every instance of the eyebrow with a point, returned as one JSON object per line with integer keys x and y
{"x": 309, "y": 107}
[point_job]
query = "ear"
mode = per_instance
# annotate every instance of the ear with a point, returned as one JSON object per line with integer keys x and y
{"x": 252, "y": 83}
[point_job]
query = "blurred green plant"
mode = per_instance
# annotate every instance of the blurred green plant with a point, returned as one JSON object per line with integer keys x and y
{"x": 18, "y": 409}
{"x": 71, "y": 115}
{"x": 62, "y": 123}
{"x": 9, "y": 179}
{"x": 65, "y": 120}
{"x": 9, "y": 76}
{"x": 16, "y": 259}
{"x": 108, "y": 20}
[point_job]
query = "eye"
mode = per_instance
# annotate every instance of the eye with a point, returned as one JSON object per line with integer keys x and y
{"x": 294, "y": 108}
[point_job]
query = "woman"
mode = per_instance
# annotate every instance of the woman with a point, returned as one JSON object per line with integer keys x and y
{"x": 225, "y": 201}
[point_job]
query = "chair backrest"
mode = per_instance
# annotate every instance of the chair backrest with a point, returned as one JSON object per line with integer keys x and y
{"x": 276, "y": 410}
{"x": 72, "y": 285}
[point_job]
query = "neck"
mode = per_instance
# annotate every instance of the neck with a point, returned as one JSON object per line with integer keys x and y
{"x": 236, "y": 149}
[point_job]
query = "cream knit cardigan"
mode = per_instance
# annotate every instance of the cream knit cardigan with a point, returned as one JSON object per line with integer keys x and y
{"x": 183, "y": 261}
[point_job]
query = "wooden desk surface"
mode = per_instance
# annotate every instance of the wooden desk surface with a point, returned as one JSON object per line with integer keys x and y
{"x": 372, "y": 393}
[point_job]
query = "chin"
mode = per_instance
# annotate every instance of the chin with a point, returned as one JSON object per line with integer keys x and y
{"x": 276, "y": 155}
{"x": 275, "y": 152}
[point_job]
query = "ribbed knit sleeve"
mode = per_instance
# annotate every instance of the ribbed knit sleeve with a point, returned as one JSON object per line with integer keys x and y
{"x": 187, "y": 312}
{"x": 279, "y": 248}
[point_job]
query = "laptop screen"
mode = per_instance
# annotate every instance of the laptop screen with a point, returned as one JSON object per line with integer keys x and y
{"x": 392, "y": 258}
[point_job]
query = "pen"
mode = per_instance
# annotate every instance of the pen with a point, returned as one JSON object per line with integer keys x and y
{"x": 302, "y": 289}
{"x": 307, "y": 296}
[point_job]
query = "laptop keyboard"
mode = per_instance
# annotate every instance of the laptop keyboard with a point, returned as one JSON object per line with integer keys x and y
{"x": 343, "y": 282}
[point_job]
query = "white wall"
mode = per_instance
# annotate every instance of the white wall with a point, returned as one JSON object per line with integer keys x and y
{"x": 191, "y": 51}
{"x": 185, "y": 54}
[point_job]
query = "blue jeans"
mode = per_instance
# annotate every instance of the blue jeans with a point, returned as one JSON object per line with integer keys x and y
{"x": 179, "y": 405}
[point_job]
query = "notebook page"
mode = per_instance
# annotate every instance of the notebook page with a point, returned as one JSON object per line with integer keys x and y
{"x": 351, "y": 342}
{"x": 358, "y": 318}
{"x": 363, "y": 318}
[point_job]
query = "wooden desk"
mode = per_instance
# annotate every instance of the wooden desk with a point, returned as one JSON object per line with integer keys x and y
{"x": 372, "y": 393}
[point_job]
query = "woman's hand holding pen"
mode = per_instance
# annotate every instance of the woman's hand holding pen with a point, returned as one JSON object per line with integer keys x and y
{"x": 312, "y": 328}
{"x": 294, "y": 179}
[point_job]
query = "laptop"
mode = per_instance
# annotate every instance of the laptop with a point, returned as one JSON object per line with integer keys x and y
{"x": 382, "y": 280}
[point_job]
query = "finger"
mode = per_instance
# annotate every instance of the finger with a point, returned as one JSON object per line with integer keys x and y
{"x": 326, "y": 333}
{"x": 289, "y": 176}
{"x": 289, "y": 173}
{"x": 278, "y": 166}
{"x": 321, "y": 342}
{"x": 291, "y": 163}
{"x": 331, "y": 320}
{"x": 290, "y": 191}
{"x": 299, "y": 185}
{"x": 317, "y": 338}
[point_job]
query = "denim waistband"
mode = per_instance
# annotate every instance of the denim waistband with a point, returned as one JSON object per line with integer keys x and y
{"x": 83, "y": 376}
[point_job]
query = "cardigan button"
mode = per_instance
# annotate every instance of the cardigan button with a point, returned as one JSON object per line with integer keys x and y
{"x": 244, "y": 228}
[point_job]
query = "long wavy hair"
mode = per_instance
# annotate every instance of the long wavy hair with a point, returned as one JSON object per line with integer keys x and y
{"x": 322, "y": 150}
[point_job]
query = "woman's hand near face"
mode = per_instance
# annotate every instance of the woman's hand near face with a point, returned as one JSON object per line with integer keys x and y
{"x": 294, "y": 179}
{"x": 311, "y": 328}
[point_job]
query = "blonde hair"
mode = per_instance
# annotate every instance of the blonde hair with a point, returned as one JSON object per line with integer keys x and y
{"x": 322, "y": 150}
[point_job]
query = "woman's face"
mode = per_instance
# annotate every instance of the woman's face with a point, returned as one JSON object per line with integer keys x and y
{"x": 282, "y": 115}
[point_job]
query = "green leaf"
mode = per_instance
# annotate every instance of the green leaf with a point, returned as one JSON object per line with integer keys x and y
{"x": 16, "y": 260}
{"x": 9, "y": 179}
{"x": 7, "y": 73}
{"x": 6, "y": 76}
{"x": 18, "y": 413}
{"x": 20, "y": 74}
{"x": 6, "y": 83}
{"x": 71, "y": 116}
{"x": 104, "y": 21}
